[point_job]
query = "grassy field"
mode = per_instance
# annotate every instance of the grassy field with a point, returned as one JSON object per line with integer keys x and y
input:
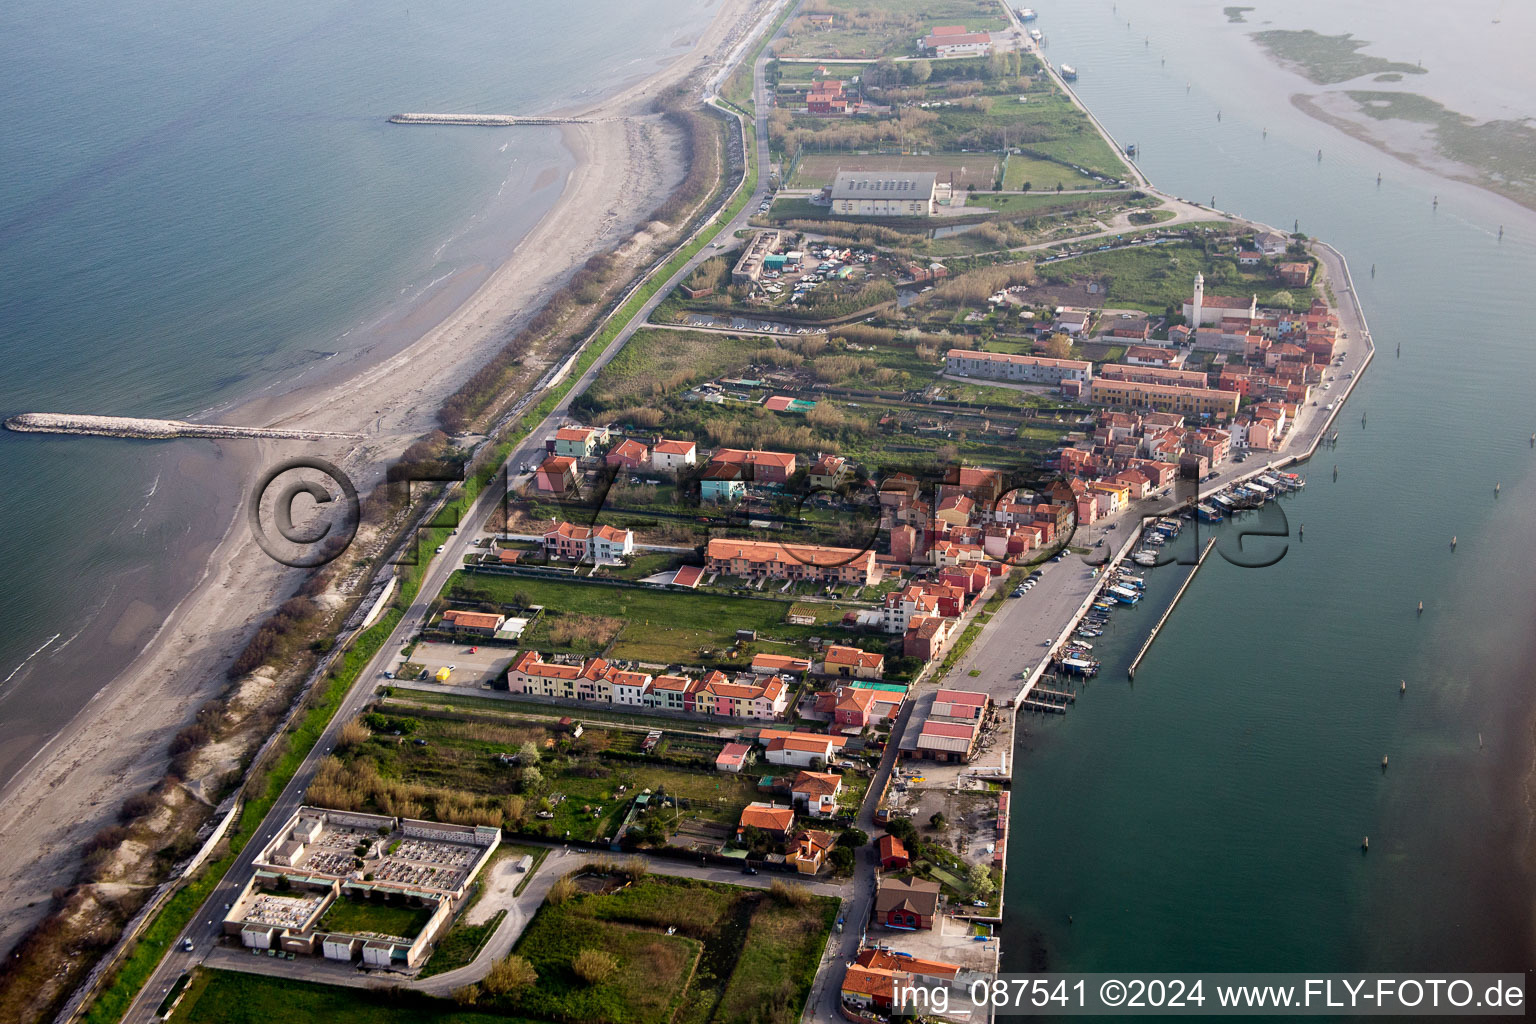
{"x": 1041, "y": 174}
{"x": 659, "y": 627}
{"x": 659, "y": 362}
{"x": 738, "y": 956}
{"x": 456, "y": 766}
{"x": 648, "y": 986}
{"x": 866, "y": 28}
{"x": 231, "y": 997}
{"x": 461, "y": 945}
{"x": 1151, "y": 278}
{"x": 818, "y": 169}
{"x": 1328, "y": 60}
{"x": 357, "y": 917}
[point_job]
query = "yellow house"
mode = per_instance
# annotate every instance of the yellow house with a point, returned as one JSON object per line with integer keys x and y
{"x": 1118, "y": 495}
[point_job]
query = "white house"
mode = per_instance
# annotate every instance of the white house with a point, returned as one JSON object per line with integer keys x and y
{"x": 673, "y": 455}
{"x": 801, "y": 750}
{"x": 609, "y": 544}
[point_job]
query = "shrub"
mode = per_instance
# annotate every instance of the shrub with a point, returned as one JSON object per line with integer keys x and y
{"x": 514, "y": 974}
{"x": 353, "y": 734}
{"x": 789, "y": 894}
{"x": 562, "y": 890}
{"x": 594, "y": 965}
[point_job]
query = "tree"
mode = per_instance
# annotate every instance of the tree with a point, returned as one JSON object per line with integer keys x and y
{"x": 1282, "y": 298}
{"x": 1058, "y": 346}
{"x": 1027, "y": 186}
{"x": 937, "y": 821}
{"x": 919, "y": 71}
{"x": 531, "y": 778}
{"x": 853, "y": 838}
{"x": 842, "y": 860}
{"x": 981, "y": 883}
{"x": 1058, "y": 186}
{"x": 528, "y": 753}
{"x": 902, "y": 828}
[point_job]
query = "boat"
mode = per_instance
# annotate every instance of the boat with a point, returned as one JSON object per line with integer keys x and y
{"x": 1208, "y": 513}
{"x": 1035, "y": 34}
{"x": 1124, "y": 595}
{"x": 1027, "y": 14}
{"x": 1147, "y": 558}
{"x": 1274, "y": 483}
{"x": 1079, "y": 666}
{"x": 1103, "y": 605}
{"x": 1127, "y": 580}
{"x": 1130, "y": 149}
{"x": 1080, "y": 645}
{"x": 1224, "y": 502}
{"x": 1169, "y": 527}
{"x": 1068, "y": 73}
{"x": 1089, "y": 632}
{"x": 1296, "y": 481}
{"x": 1156, "y": 540}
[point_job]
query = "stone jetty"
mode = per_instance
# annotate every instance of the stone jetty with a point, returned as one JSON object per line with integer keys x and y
{"x": 133, "y": 426}
{"x": 483, "y": 120}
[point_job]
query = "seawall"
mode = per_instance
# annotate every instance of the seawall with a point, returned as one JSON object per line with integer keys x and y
{"x": 152, "y": 429}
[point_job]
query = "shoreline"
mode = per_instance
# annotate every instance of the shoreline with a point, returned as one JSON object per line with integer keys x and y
{"x": 114, "y": 744}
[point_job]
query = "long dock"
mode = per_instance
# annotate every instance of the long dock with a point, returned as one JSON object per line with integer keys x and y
{"x": 151, "y": 429}
{"x": 1131, "y": 672}
{"x": 483, "y": 120}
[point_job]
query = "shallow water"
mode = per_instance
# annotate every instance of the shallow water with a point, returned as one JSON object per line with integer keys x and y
{"x": 1210, "y": 815}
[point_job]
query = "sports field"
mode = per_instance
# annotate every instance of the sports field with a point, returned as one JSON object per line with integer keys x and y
{"x": 979, "y": 169}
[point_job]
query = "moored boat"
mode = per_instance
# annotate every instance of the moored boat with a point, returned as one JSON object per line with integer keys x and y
{"x": 1068, "y": 73}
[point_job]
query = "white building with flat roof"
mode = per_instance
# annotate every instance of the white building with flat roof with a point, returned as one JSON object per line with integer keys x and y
{"x": 884, "y": 193}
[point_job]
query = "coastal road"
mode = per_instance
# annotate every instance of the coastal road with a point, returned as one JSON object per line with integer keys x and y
{"x": 206, "y": 927}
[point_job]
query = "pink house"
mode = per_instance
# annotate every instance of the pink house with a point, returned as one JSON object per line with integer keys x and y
{"x": 556, "y": 475}
{"x": 628, "y": 454}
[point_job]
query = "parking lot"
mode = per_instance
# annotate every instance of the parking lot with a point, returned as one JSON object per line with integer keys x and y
{"x": 473, "y": 666}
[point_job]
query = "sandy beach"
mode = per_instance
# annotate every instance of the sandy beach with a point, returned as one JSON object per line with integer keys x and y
{"x": 625, "y": 165}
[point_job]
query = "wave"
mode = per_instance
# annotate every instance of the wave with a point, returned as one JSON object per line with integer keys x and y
{"x": 29, "y": 657}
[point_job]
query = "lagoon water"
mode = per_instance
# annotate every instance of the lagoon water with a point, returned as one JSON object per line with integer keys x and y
{"x": 198, "y": 202}
{"x": 1210, "y": 815}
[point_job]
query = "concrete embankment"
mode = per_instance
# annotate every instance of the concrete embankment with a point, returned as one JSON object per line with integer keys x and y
{"x": 133, "y": 426}
{"x": 483, "y": 120}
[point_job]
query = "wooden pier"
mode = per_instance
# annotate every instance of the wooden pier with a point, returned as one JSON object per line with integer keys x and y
{"x": 1131, "y": 672}
{"x": 1053, "y": 696}
{"x": 1042, "y": 706}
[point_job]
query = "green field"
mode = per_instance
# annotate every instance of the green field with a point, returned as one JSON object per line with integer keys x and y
{"x": 358, "y": 917}
{"x": 1041, "y": 174}
{"x": 738, "y": 956}
{"x": 659, "y": 627}
{"x": 1152, "y": 278}
{"x": 658, "y": 362}
{"x": 865, "y": 28}
{"x": 978, "y": 169}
